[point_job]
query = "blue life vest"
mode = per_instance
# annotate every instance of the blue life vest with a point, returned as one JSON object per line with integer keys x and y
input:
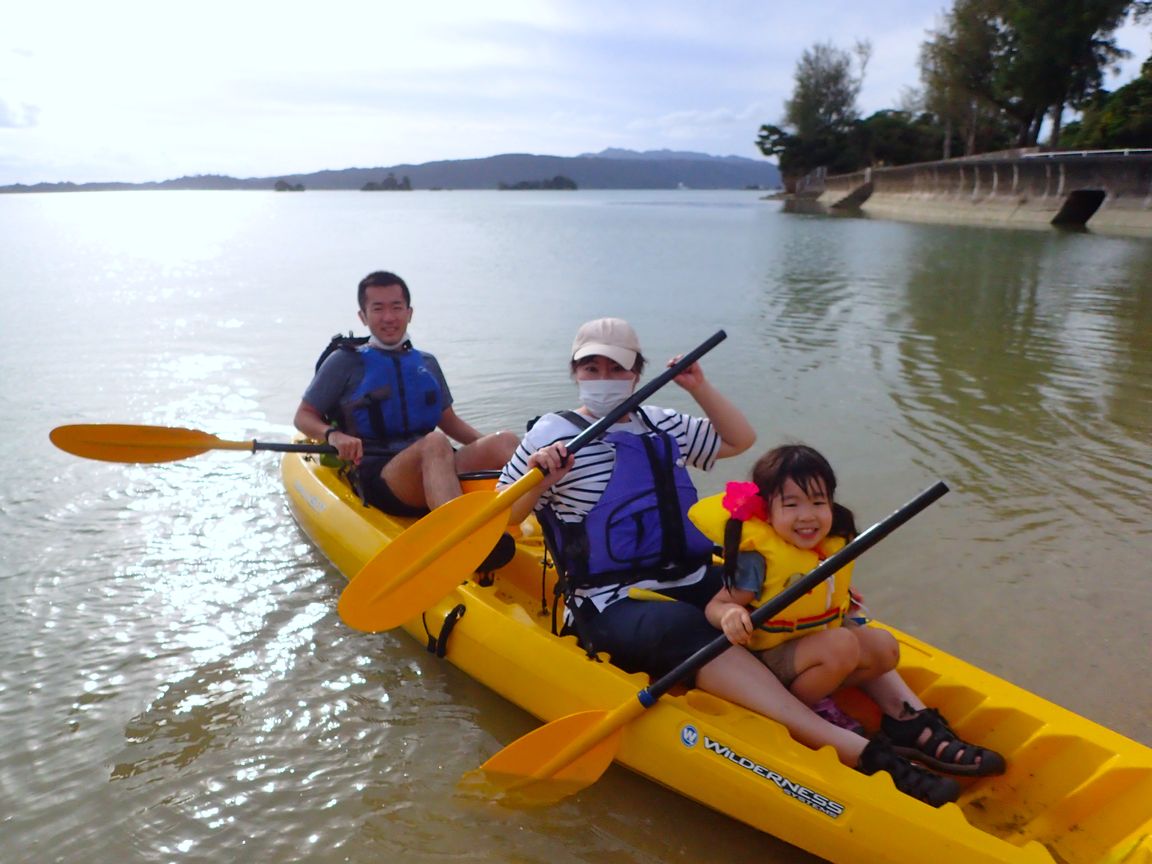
{"x": 397, "y": 400}
{"x": 639, "y": 529}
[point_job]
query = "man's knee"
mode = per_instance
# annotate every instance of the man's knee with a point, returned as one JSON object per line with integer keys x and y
{"x": 489, "y": 453}
{"x": 504, "y": 444}
{"x": 432, "y": 448}
{"x": 435, "y": 444}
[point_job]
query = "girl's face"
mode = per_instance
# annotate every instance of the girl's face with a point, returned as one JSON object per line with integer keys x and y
{"x": 800, "y": 518}
{"x": 598, "y": 368}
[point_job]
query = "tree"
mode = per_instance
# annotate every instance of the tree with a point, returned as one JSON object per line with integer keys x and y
{"x": 956, "y": 67}
{"x": 820, "y": 116}
{"x": 899, "y": 137}
{"x": 1062, "y": 50}
{"x": 1021, "y": 60}
{"x": 1120, "y": 119}
{"x": 824, "y": 101}
{"x": 963, "y": 68}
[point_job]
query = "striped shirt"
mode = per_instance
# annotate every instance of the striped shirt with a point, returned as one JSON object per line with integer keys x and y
{"x": 581, "y": 488}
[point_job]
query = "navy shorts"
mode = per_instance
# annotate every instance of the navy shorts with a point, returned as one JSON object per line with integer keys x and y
{"x": 655, "y": 636}
{"x": 376, "y": 492}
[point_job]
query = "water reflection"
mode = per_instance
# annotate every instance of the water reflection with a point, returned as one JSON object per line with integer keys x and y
{"x": 189, "y": 718}
{"x": 1014, "y": 337}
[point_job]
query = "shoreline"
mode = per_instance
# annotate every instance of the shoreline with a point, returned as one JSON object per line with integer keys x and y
{"x": 1104, "y": 191}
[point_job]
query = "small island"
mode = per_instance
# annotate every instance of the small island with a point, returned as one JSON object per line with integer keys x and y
{"x": 388, "y": 184}
{"x": 285, "y": 186}
{"x": 557, "y": 182}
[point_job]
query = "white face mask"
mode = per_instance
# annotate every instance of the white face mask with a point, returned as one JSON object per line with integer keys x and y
{"x": 602, "y": 395}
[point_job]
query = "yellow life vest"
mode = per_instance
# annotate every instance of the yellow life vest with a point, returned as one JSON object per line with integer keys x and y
{"x": 822, "y": 607}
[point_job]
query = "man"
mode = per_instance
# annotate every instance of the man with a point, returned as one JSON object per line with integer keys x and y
{"x": 395, "y": 398}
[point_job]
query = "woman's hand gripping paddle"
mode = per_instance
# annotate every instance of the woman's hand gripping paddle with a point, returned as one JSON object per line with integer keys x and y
{"x": 119, "y": 442}
{"x": 439, "y": 552}
{"x": 568, "y": 754}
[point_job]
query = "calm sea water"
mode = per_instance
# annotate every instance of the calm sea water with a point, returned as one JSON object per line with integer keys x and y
{"x": 175, "y": 684}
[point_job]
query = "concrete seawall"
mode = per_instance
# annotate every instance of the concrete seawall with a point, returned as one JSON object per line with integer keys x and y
{"x": 1104, "y": 190}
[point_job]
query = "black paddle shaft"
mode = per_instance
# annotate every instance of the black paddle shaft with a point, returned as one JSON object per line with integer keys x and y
{"x": 798, "y": 589}
{"x": 276, "y": 447}
{"x": 636, "y": 399}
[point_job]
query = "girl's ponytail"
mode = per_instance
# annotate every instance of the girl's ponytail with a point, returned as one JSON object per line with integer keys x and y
{"x": 743, "y": 502}
{"x": 733, "y": 528}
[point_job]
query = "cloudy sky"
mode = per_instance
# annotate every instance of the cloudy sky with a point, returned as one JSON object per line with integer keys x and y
{"x": 135, "y": 91}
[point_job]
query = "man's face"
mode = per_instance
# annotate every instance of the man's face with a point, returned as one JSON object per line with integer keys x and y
{"x": 385, "y": 313}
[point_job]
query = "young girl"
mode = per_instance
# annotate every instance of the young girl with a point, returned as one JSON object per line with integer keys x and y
{"x": 777, "y": 528}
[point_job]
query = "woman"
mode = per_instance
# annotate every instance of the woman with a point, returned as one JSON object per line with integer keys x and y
{"x": 615, "y": 516}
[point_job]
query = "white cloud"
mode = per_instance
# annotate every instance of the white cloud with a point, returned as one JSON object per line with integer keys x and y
{"x": 138, "y": 90}
{"x": 19, "y": 115}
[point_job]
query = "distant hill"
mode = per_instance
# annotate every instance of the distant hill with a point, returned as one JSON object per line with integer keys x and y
{"x": 609, "y": 169}
{"x": 618, "y": 153}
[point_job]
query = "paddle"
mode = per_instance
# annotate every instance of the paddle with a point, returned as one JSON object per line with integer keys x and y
{"x": 570, "y": 753}
{"x": 118, "y": 442}
{"x": 436, "y": 554}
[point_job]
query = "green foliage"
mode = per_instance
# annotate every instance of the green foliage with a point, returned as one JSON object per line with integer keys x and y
{"x": 900, "y": 138}
{"x": 1116, "y": 120}
{"x": 797, "y": 155}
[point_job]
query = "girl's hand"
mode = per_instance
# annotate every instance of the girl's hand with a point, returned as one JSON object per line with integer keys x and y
{"x": 553, "y": 460}
{"x": 736, "y": 624}
{"x": 691, "y": 378}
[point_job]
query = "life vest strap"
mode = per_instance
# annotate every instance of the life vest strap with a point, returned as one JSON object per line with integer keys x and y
{"x": 811, "y": 622}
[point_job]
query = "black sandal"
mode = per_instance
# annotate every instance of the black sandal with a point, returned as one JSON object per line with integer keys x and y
{"x": 910, "y": 779}
{"x": 957, "y": 756}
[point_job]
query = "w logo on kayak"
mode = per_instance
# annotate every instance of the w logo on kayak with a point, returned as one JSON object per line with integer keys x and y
{"x": 689, "y": 736}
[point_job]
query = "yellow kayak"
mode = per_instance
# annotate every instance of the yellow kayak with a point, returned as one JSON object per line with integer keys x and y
{"x": 1074, "y": 793}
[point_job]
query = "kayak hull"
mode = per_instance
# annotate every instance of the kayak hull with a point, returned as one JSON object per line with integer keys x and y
{"x": 1074, "y": 791}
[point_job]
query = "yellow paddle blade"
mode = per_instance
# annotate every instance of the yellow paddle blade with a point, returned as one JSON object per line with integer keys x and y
{"x": 513, "y": 775}
{"x": 425, "y": 562}
{"x": 115, "y": 442}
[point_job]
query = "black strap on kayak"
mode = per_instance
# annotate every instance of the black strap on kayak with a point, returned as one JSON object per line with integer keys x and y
{"x": 545, "y": 563}
{"x": 438, "y": 645}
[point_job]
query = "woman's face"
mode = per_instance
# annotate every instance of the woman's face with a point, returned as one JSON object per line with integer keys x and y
{"x": 597, "y": 368}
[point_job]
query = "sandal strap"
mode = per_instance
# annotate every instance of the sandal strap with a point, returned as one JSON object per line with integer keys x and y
{"x": 956, "y": 750}
{"x": 908, "y": 778}
{"x": 943, "y": 749}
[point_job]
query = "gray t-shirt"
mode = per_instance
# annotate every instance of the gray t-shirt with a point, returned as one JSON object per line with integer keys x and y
{"x": 341, "y": 373}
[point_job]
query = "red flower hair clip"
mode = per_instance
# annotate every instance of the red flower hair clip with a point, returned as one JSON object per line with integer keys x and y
{"x": 743, "y": 501}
